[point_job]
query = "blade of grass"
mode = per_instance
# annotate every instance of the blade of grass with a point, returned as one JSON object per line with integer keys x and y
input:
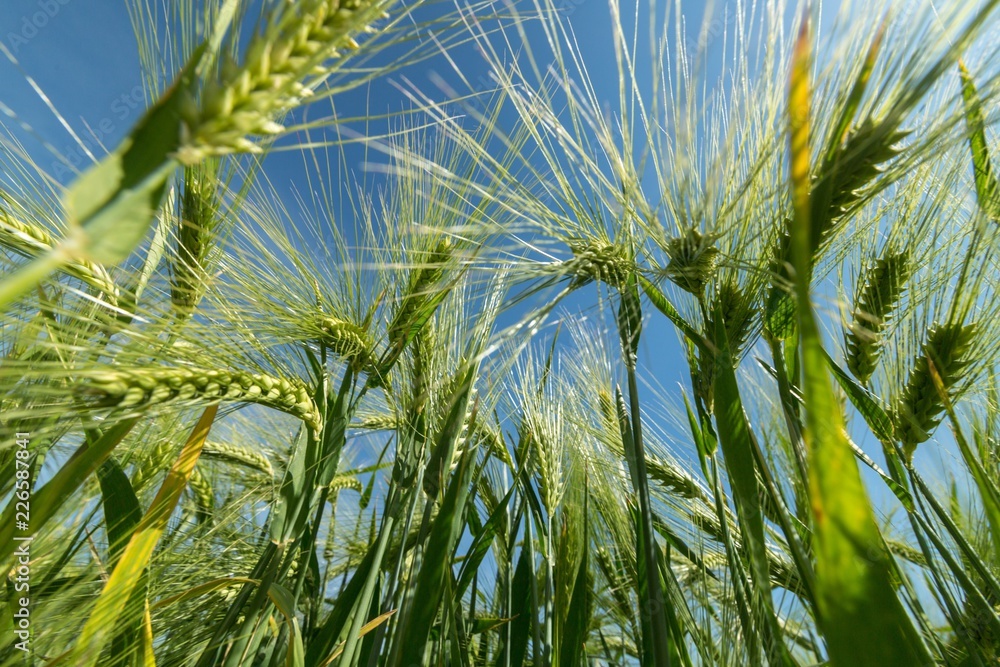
{"x": 861, "y": 616}
{"x": 140, "y": 548}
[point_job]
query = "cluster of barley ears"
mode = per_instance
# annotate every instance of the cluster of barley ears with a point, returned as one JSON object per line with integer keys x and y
{"x": 433, "y": 413}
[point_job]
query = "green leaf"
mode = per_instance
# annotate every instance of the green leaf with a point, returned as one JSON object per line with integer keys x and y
{"x": 865, "y": 402}
{"x": 111, "y": 205}
{"x": 859, "y": 613}
{"x": 443, "y": 538}
{"x": 122, "y": 514}
{"x": 481, "y": 545}
{"x": 573, "y": 651}
{"x": 738, "y": 451}
{"x": 134, "y": 560}
{"x": 662, "y": 304}
{"x": 987, "y": 190}
{"x": 515, "y": 652}
{"x": 48, "y": 499}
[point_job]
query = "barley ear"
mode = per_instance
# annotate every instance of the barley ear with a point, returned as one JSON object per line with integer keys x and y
{"x": 693, "y": 260}
{"x": 199, "y": 214}
{"x": 597, "y": 261}
{"x": 284, "y": 62}
{"x": 141, "y": 388}
{"x": 920, "y": 407}
{"x": 879, "y": 291}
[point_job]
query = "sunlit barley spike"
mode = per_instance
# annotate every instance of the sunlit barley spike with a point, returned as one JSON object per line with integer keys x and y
{"x": 919, "y": 409}
{"x": 868, "y": 147}
{"x": 156, "y": 461}
{"x": 878, "y": 294}
{"x": 738, "y": 313}
{"x": 144, "y": 387}
{"x": 204, "y": 496}
{"x": 836, "y": 188}
{"x": 377, "y": 423}
{"x": 693, "y": 260}
{"x": 779, "y": 309}
{"x": 243, "y": 456}
{"x": 597, "y": 261}
{"x": 292, "y": 53}
{"x": 422, "y": 280}
{"x": 33, "y": 241}
{"x": 607, "y": 406}
{"x": 672, "y": 477}
{"x": 347, "y": 339}
{"x": 195, "y": 226}
{"x": 341, "y": 482}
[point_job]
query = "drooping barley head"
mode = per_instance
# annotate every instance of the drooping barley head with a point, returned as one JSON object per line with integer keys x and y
{"x": 141, "y": 387}
{"x": 243, "y": 456}
{"x": 348, "y": 340}
{"x": 32, "y": 241}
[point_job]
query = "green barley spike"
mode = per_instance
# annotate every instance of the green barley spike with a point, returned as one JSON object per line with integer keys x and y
{"x": 197, "y": 221}
{"x": 838, "y": 186}
{"x": 243, "y": 456}
{"x": 693, "y": 260}
{"x": 347, "y": 339}
{"x": 738, "y": 313}
{"x": 597, "y": 261}
{"x": 145, "y": 387}
{"x": 204, "y": 496}
{"x": 878, "y": 294}
{"x": 919, "y": 409}
{"x": 294, "y": 53}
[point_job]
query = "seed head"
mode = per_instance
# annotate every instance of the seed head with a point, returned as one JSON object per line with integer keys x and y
{"x": 143, "y": 387}
{"x": 919, "y": 409}
{"x": 878, "y": 295}
{"x": 693, "y": 260}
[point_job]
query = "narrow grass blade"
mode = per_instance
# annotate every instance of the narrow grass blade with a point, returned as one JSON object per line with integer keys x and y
{"x": 515, "y": 650}
{"x": 987, "y": 189}
{"x": 662, "y": 304}
{"x": 988, "y": 492}
{"x": 441, "y": 544}
{"x": 140, "y": 548}
{"x": 481, "y": 545}
{"x": 122, "y": 514}
{"x": 573, "y": 650}
{"x": 48, "y": 499}
{"x": 738, "y": 450}
{"x": 860, "y": 615}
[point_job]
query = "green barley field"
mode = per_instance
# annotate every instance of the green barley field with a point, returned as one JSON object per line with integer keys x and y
{"x": 668, "y": 341}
